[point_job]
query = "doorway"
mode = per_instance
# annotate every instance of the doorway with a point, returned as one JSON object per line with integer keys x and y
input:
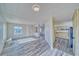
{"x": 63, "y": 36}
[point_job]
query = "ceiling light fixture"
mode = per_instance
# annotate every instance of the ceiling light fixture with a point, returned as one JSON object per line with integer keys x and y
{"x": 36, "y": 8}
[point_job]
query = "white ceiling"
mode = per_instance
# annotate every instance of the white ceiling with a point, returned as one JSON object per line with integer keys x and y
{"x": 62, "y": 12}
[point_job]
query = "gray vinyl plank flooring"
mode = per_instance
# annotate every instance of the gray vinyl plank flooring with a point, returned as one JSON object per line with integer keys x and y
{"x": 33, "y": 48}
{"x": 63, "y": 44}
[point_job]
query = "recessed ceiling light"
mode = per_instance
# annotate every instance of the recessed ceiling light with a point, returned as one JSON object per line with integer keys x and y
{"x": 36, "y": 8}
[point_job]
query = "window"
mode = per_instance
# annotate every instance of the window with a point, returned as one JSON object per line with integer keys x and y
{"x": 17, "y": 30}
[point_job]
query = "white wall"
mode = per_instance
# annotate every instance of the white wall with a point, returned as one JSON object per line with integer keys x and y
{"x": 28, "y": 30}
{"x": 3, "y": 36}
{"x": 49, "y": 33}
{"x": 68, "y": 24}
{"x": 11, "y": 30}
{"x": 19, "y": 20}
